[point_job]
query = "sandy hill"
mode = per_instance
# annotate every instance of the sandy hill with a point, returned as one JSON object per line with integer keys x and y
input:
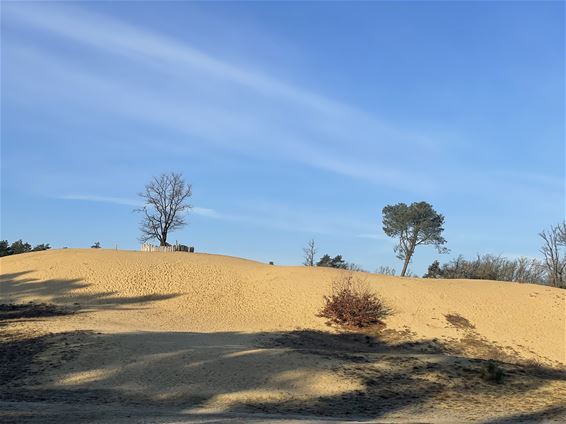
{"x": 222, "y": 333}
{"x": 142, "y": 291}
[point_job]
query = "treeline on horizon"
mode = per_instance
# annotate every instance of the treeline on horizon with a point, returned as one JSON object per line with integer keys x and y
{"x": 412, "y": 225}
{"x": 166, "y": 203}
{"x": 483, "y": 267}
{"x": 19, "y": 246}
{"x": 418, "y": 224}
{"x": 551, "y": 270}
{"x": 491, "y": 267}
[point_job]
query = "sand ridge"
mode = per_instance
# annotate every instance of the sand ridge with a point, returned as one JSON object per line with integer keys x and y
{"x": 149, "y": 291}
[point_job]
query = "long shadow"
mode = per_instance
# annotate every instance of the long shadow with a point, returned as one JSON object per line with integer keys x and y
{"x": 314, "y": 373}
{"x": 11, "y": 313}
{"x": 552, "y": 413}
{"x": 289, "y": 373}
{"x": 14, "y": 289}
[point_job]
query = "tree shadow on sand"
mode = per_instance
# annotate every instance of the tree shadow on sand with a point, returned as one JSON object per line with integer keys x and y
{"x": 157, "y": 373}
{"x": 14, "y": 288}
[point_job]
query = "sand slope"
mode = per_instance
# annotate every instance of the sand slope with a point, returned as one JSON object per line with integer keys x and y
{"x": 143, "y": 291}
{"x": 180, "y": 335}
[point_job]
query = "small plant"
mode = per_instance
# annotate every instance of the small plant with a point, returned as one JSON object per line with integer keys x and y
{"x": 459, "y": 321}
{"x": 352, "y": 304}
{"x": 385, "y": 270}
{"x": 96, "y": 245}
{"x": 492, "y": 373}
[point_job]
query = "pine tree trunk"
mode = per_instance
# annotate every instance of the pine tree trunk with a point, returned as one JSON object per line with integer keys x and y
{"x": 405, "y": 265}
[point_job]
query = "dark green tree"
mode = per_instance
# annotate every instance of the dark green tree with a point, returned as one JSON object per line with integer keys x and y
{"x": 96, "y": 245}
{"x": 20, "y": 247}
{"x": 5, "y": 248}
{"x": 338, "y": 262}
{"x": 434, "y": 271}
{"x": 335, "y": 262}
{"x": 326, "y": 260}
{"x": 414, "y": 225}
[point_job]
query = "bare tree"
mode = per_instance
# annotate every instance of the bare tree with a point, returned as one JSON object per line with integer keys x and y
{"x": 310, "y": 252}
{"x": 562, "y": 233}
{"x": 165, "y": 207}
{"x": 554, "y": 253}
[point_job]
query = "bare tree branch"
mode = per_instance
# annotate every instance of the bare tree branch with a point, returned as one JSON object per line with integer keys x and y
{"x": 310, "y": 252}
{"x": 554, "y": 254}
{"x": 166, "y": 204}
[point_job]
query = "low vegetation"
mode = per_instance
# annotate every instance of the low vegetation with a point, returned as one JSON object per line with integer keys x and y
{"x": 490, "y": 267}
{"x": 492, "y": 373}
{"x": 498, "y": 268}
{"x": 385, "y": 270}
{"x": 352, "y": 305}
{"x": 326, "y": 260}
{"x": 335, "y": 262}
{"x": 17, "y": 247}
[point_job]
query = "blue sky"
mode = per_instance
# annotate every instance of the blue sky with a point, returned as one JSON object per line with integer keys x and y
{"x": 291, "y": 120}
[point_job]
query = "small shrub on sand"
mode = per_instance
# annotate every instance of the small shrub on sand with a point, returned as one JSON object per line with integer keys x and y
{"x": 492, "y": 373}
{"x": 352, "y": 304}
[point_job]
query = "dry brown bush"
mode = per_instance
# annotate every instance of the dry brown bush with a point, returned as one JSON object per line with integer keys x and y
{"x": 352, "y": 304}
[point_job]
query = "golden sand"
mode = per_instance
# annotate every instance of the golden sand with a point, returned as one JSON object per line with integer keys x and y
{"x": 189, "y": 331}
{"x": 149, "y": 291}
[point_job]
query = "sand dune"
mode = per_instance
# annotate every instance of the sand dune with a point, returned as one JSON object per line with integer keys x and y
{"x": 220, "y": 333}
{"x": 141, "y": 291}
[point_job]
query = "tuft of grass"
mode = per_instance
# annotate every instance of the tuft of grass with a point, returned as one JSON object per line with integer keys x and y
{"x": 492, "y": 373}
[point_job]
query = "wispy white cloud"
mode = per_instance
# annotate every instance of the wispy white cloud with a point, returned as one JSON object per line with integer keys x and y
{"x": 373, "y": 236}
{"x": 209, "y": 213}
{"x": 206, "y": 212}
{"x": 108, "y": 34}
{"x": 102, "y": 199}
{"x": 219, "y": 102}
{"x": 270, "y": 215}
{"x": 237, "y": 107}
